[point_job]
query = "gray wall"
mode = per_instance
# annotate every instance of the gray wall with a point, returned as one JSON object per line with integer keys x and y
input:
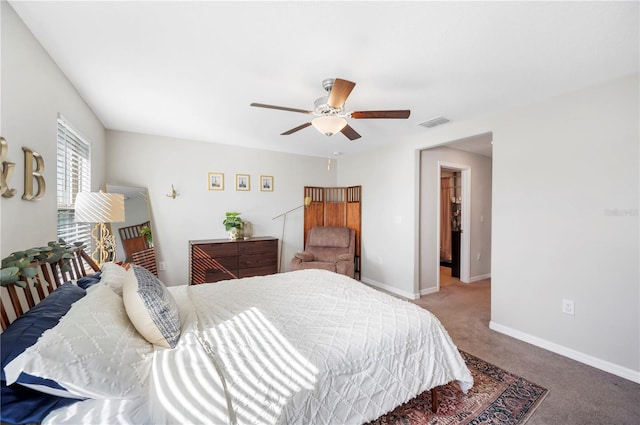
{"x": 565, "y": 216}
{"x": 34, "y": 92}
{"x": 197, "y": 212}
{"x": 564, "y": 220}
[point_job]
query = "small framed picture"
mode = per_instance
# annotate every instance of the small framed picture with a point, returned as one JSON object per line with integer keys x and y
{"x": 243, "y": 182}
{"x": 216, "y": 181}
{"x": 266, "y": 183}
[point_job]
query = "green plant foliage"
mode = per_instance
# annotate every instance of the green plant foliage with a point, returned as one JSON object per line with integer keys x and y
{"x": 232, "y": 219}
{"x": 9, "y": 275}
{"x": 24, "y": 263}
{"x": 145, "y": 231}
{"x": 29, "y": 272}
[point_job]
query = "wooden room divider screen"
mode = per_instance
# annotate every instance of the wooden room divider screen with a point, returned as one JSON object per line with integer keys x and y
{"x": 335, "y": 206}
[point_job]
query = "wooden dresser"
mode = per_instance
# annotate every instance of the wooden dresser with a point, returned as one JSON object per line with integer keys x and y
{"x": 213, "y": 260}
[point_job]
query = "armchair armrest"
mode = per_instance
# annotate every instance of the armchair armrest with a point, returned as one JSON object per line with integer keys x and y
{"x": 344, "y": 257}
{"x": 304, "y": 256}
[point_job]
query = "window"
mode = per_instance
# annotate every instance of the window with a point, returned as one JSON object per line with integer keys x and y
{"x": 74, "y": 175}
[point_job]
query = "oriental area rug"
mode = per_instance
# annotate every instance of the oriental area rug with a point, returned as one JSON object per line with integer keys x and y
{"x": 497, "y": 397}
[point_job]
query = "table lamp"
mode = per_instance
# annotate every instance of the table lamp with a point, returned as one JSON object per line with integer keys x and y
{"x": 100, "y": 208}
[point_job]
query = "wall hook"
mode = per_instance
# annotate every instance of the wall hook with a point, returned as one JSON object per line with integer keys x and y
{"x": 173, "y": 193}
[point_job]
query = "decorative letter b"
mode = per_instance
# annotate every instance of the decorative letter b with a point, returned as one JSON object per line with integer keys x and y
{"x": 30, "y": 175}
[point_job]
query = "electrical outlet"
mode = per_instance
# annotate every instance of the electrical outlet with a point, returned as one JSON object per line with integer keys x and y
{"x": 162, "y": 265}
{"x": 478, "y": 257}
{"x": 568, "y": 307}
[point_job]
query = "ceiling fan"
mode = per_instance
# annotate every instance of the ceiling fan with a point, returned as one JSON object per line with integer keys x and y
{"x": 330, "y": 112}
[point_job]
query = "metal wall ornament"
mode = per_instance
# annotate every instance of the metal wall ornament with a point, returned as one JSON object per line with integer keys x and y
{"x": 33, "y": 174}
{"x": 173, "y": 193}
{"x": 7, "y": 170}
{"x": 33, "y": 171}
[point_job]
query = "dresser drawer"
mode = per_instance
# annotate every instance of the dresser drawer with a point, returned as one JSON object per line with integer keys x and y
{"x": 259, "y": 271}
{"x": 258, "y": 247}
{"x": 258, "y": 260}
{"x": 205, "y": 270}
{"x": 214, "y": 250}
{"x": 204, "y": 264}
{"x": 216, "y": 275}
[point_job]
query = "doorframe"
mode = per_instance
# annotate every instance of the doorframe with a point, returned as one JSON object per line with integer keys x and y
{"x": 465, "y": 205}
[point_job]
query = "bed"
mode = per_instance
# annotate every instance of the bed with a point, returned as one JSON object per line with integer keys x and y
{"x": 301, "y": 347}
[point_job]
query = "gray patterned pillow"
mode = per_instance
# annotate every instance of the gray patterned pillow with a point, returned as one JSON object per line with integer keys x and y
{"x": 151, "y": 307}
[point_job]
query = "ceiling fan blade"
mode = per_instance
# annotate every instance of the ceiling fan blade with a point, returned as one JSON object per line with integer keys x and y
{"x": 350, "y": 132}
{"x": 339, "y": 92}
{"x": 282, "y": 108}
{"x": 293, "y": 130}
{"x": 381, "y": 114}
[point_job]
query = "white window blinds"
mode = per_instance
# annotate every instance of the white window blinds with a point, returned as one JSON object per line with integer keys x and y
{"x": 73, "y": 176}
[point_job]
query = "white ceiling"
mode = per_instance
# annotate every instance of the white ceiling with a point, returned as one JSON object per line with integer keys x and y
{"x": 190, "y": 69}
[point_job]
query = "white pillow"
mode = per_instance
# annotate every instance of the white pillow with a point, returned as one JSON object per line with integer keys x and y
{"x": 94, "y": 351}
{"x": 151, "y": 307}
{"x": 113, "y": 276}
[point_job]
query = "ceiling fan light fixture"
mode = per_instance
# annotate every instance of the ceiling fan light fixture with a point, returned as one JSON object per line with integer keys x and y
{"x": 330, "y": 111}
{"x": 329, "y": 125}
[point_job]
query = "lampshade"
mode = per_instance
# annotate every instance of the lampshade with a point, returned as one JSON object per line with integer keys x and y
{"x": 307, "y": 201}
{"x": 329, "y": 124}
{"x": 99, "y": 207}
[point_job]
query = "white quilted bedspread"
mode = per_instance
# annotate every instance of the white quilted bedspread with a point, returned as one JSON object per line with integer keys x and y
{"x": 300, "y": 348}
{"x": 305, "y": 347}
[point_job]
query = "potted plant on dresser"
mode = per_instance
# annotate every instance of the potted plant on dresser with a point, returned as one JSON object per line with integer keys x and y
{"x": 233, "y": 225}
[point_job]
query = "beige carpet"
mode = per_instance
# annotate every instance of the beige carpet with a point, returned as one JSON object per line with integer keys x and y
{"x": 578, "y": 394}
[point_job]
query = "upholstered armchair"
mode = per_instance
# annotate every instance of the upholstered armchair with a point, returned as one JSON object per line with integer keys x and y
{"x": 329, "y": 248}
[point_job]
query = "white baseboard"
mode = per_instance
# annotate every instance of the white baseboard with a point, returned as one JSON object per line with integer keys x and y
{"x": 428, "y": 291}
{"x": 623, "y": 372}
{"x": 391, "y": 289}
{"x": 479, "y": 277}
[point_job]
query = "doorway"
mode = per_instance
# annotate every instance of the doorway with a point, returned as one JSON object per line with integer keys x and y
{"x": 471, "y": 157}
{"x": 450, "y": 219}
{"x": 453, "y": 219}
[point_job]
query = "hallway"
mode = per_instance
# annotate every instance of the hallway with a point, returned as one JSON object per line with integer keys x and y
{"x": 445, "y": 276}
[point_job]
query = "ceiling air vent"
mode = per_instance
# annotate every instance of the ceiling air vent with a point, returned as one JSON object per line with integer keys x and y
{"x": 433, "y": 122}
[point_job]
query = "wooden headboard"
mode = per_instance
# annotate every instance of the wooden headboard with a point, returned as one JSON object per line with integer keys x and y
{"x": 15, "y": 301}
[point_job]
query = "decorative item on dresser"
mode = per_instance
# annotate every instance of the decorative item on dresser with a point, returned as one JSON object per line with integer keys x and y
{"x": 213, "y": 260}
{"x": 247, "y": 229}
{"x": 233, "y": 224}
